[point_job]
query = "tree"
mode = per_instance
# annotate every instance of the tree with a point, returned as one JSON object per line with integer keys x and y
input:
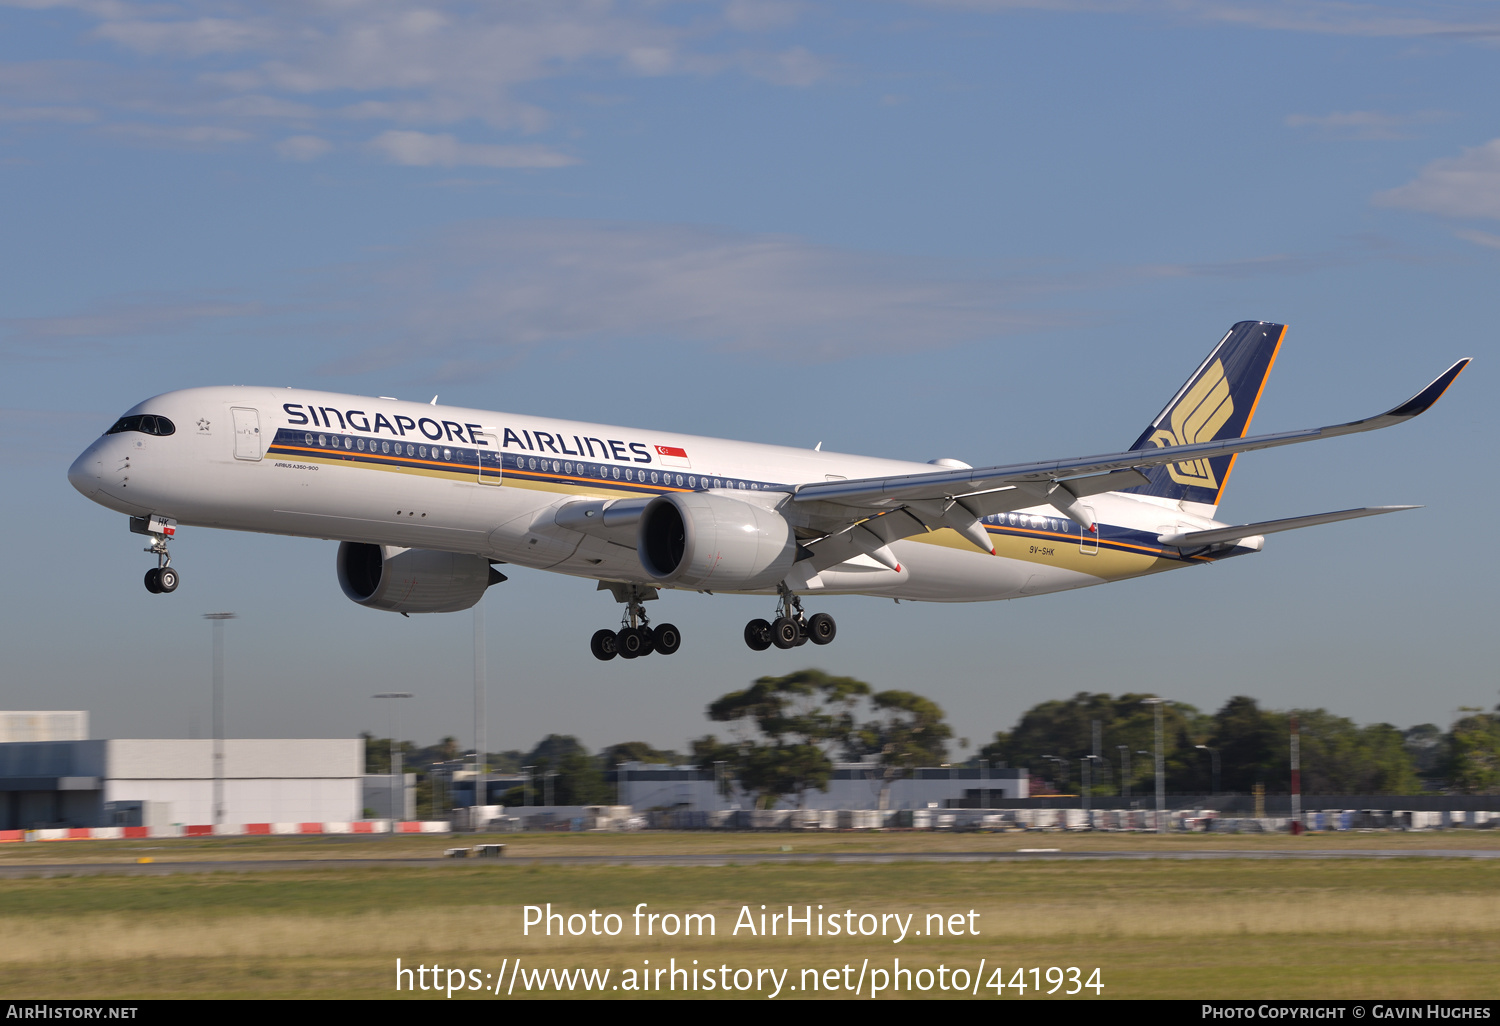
{"x": 1426, "y": 746}
{"x": 1064, "y": 729}
{"x": 1340, "y": 757}
{"x": 907, "y": 731}
{"x": 636, "y": 751}
{"x": 1251, "y": 749}
{"x": 800, "y": 718}
{"x": 576, "y": 777}
{"x": 1474, "y": 753}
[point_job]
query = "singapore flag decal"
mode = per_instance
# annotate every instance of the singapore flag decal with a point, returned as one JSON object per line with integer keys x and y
{"x": 671, "y": 456}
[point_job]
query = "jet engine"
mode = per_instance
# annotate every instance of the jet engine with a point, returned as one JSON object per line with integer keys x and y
{"x": 413, "y": 580}
{"x": 705, "y": 541}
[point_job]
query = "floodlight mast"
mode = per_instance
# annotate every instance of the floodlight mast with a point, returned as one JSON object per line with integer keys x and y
{"x": 1161, "y": 775}
{"x": 218, "y": 621}
{"x": 398, "y": 781}
{"x": 481, "y": 790}
{"x": 1213, "y": 754}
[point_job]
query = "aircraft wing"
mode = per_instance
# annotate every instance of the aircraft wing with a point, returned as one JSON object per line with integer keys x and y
{"x": 864, "y": 515}
{"x": 1219, "y": 535}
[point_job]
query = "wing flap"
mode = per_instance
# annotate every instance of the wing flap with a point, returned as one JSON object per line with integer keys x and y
{"x": 1220, "y": 535}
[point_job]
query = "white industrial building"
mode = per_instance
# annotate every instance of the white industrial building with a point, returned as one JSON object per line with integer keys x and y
{"x": 91, "y": 783}
{"x": 43, "y": 725}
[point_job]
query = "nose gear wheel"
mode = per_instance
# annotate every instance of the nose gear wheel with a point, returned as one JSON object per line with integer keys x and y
{"x": 163, "y": 578}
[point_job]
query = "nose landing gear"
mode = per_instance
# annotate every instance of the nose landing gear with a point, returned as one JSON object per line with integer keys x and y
{"x": 636, "y": 637}
{"x": 791, "y": 627}
{"x": 161, "y": 579}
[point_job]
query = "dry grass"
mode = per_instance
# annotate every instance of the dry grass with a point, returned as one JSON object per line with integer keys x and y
{"x": 1412, "y": 928}
{"x": 110, "y": 937}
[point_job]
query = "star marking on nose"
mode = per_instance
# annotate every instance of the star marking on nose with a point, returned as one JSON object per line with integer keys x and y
{"x": 203, "y": 425}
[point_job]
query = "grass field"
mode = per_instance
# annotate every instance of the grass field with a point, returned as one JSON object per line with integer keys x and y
{"x": 1335, "y": 928}
{"x": 654, "y": 842}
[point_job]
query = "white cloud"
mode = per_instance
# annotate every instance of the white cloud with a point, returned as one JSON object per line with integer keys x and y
{"x": 1472, "y": 19}
{"x": 1365, "y": 124}
{"x": 419, "y": 149}
{"x": 303, "y": 147}
{"x": 482, "y": 292}
{"x": 1464, "y": 186}
{"x": 760, "y": 15}
{"x": 795, "y": 67}
{"x": 125, "y": 319}
{"x": 54, "y": 115}
{"x": 1480, "y": 238}
{"x": 193, "y": 38}
{"x": 224, "y": 62}
{"x": 183, "y": 135}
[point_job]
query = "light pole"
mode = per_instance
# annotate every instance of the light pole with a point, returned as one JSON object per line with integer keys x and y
{"x": 218, "y": 621}
{"x": 481, "y": 791}
{"x": 1062, "y": 771}
{"x": 1124, "y": 751}
{"x": 1088, "y": 777}
{"x": 1161, "y": 773}
{"x": 1213, "y": 754}
{"x": 398, "y": 782}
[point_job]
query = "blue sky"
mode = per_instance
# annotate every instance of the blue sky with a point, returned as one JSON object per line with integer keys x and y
{"x": 989, "y": 230}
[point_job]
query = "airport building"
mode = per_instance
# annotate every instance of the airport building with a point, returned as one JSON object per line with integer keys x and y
{"x": 853, "y": 786}
{"x": 76, "y": 782}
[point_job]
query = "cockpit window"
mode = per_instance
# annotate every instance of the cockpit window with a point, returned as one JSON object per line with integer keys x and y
{"x": 146, "y": 423}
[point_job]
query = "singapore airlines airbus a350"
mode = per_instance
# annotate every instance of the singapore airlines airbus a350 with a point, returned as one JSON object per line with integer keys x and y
{"x": 424, "y": 499}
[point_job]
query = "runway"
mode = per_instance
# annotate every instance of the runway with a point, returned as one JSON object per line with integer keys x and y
{"x": 63, "y": 869}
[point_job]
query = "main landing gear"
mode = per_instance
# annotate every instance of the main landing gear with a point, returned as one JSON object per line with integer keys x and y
{"x": 790, "y": 628}
{"x": 162, "y": 579}
{"x": 636, "y": 637}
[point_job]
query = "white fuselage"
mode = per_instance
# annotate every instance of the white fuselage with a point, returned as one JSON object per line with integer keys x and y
{"x": 326, "y": 465}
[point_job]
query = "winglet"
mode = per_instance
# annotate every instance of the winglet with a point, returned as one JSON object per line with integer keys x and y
{"x": 1424, "y": 399}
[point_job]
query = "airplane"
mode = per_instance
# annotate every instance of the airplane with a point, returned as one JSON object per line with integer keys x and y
{"x": 425, "y": 500}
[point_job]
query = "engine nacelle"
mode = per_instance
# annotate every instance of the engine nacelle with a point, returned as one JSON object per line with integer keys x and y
{"x": 702, "y": 540}
{"x": 413, "y": 580}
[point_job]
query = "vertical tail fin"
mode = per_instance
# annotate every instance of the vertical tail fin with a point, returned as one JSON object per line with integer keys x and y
{"x": 1218, "y": 401}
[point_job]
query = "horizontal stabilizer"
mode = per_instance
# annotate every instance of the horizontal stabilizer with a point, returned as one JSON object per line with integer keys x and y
{"x": 1220, "y": 535}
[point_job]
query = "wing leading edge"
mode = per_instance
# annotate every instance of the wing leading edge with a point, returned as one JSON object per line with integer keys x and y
{"x": 877, "y": 493}
{"x": 865, "y": 516}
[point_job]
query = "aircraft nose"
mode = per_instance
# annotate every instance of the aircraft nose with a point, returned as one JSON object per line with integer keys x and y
{"x": 86, "y": 473}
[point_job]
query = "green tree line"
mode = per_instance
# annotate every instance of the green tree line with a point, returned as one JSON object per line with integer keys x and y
{"x": 786, "y": 733}
{"x": 1253, "y": 746}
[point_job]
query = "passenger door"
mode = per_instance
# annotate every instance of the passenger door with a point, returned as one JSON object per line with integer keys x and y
{"x": 1088, "y": 541}
{"x": 246, "y": 433}
{"x": 489, "y": 460}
